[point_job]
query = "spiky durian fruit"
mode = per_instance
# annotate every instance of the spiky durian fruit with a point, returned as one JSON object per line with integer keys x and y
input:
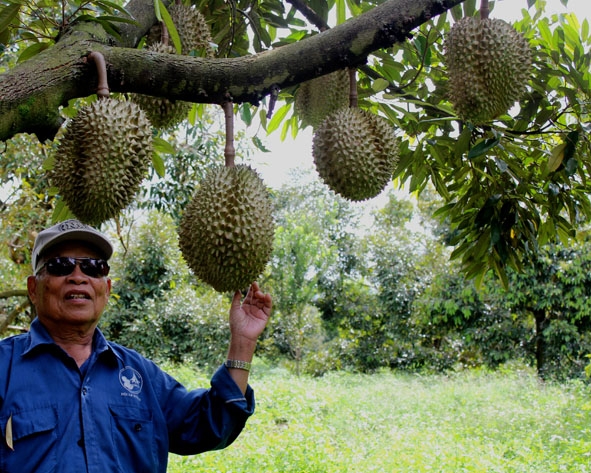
{"x": 161, "y": 112}
{"x": 102, "y": 158}
{"x": 355, "y": 153}
{"x": 226, "y": 231}
{"x": 193, "y": 30}
{"x": 489, "y": 65}
{"x": 317, "y": 98}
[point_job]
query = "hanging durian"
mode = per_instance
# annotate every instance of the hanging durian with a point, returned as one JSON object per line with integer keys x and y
{"x": 102, "y": 158}
{"x": 488, "y": 64}
{"x": 226, "y": 231}
{"x": 162, "y": 112}
{"x": 317, "y": 98}
{"x": 355, "y": 153}
{"x": 193, "y": 30}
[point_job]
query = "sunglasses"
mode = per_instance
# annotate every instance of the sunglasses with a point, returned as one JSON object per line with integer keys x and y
{"x": 64, "y": 265}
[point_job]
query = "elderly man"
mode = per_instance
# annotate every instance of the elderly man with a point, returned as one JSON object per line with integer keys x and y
{"x": 71, "y": 401}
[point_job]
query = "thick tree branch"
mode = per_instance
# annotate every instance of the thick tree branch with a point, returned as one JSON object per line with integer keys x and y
{"x": 32, "y": 92}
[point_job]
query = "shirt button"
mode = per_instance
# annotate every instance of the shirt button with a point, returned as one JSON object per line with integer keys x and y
{"x": 84, "y": 391}
{"x": 80, "y": 443}
{"x": 137, "y": 427}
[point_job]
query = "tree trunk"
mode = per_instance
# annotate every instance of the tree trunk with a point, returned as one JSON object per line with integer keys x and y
{"x": 542, "y": 323}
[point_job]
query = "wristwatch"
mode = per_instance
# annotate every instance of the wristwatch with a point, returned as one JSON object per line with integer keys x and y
{"x": 241, "y": 365}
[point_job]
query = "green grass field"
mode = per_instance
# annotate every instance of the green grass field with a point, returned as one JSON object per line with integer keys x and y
{"x": 468, "y": 422}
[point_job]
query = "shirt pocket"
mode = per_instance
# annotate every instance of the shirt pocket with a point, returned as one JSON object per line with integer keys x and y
{"x": 133, "y": 438}
{"x": 34, "y": 440}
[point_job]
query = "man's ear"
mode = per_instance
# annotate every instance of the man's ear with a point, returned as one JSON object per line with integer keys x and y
{"x": 32, "y": 288}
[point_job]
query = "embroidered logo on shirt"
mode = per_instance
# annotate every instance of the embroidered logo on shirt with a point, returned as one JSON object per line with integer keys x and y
{"x": 131, "y": 380}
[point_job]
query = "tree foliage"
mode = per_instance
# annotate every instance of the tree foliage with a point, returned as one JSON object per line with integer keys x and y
{"x": 508, "y": 185}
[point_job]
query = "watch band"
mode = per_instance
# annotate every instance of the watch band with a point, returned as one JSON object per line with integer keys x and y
{"x": 241, "y": 365}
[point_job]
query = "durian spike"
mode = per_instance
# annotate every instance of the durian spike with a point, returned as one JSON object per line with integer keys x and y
{"x": 103, "y": 86}
{"x": 353, "y": 87}
{"x": 484, "y": 9}
{"x": 229, "y": 150}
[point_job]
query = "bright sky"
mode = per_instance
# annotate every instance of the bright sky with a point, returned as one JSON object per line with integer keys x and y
{"x": 275, "y": 167}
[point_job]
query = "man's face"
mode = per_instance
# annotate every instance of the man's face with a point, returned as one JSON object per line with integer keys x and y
{"x": 72, "y": 301}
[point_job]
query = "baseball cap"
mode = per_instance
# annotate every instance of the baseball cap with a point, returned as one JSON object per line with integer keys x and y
{"x": 69, "y": 230}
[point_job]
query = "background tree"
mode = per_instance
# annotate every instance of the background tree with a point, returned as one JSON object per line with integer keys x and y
{"x": 311, "y": 222}
{"x": 157, "y": 307}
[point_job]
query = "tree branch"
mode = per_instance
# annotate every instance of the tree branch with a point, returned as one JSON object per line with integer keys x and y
{"x": 32, "y": 92}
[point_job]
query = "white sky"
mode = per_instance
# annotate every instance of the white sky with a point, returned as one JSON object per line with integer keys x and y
{"x": 275, "y": 167}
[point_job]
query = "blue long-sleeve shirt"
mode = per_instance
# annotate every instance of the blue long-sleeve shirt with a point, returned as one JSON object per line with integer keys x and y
{"x": 119, "y": 412}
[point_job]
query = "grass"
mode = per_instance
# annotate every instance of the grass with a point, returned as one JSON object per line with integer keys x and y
{"x": 469, "y": 422}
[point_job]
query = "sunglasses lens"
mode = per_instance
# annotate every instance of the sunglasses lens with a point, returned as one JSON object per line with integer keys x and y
{"x": 95, "y": 268}
{"x": 62, "y": 266}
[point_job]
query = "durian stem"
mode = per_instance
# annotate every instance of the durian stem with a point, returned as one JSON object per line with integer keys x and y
{"x": 272, "y": 100}
{"x": 484, "y": 9}
{"x": 101, "y": 68}
{"x": 229, "y": 150}
{"x": 353, "y": 88}
{"x": 164, "y": 36}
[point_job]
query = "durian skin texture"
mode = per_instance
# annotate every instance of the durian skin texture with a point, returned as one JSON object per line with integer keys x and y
{"x": 226, "y": 231}
{"x": 317, "y": 98}
{"x": 489, "y": 64}
{"x": 193, "y": 30}
{"x": 102, "y": 158}
{"x": 355, "y": 153}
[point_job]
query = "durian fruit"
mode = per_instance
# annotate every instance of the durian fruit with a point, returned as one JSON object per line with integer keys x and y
{"x": 226, "y": 231}
{"x": 355, "y": 153}
{"x": 102, "y": 158}
{"x": 193, "y": 30}
{"x": 489, "y": 64}
{"x": 317, "y": 98}
{"x": 162, "y": 112}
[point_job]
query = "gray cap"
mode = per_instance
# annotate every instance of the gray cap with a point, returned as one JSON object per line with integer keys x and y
{"x": 69, "y": 230}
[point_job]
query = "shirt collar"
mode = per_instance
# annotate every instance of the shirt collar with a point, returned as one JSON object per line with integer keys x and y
{"x": 39, "y": 337}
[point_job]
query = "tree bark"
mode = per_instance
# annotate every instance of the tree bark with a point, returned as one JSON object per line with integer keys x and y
{"x": 32, "y": 92}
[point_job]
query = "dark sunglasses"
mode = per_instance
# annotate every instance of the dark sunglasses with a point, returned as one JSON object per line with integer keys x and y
{"x": 64, "y": 265}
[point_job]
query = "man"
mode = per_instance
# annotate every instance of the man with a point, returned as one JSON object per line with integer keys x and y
{"x": 71, "y": 401}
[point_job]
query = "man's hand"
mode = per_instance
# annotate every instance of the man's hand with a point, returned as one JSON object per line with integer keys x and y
{"x": 247, "y": 321}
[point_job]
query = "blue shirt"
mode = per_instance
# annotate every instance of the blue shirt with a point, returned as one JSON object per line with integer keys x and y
{"x": 118, "y": 413}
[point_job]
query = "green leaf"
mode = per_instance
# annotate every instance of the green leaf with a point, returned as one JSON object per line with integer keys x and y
{"x": 277, "y": 118}
{"x": 172, "y": 31}
{"x": 162, "y": 146}
{"x": 341, "y": 12}
{"x": 380, "y": 84}
{"x": 48, "y": 163}
{"x": 61, "y": 212}
{"x": 111, "y": 6}
{"x": 259, "y": 144}
{"x": 157, "y": 12}
{"x": 482, "y": 147}
{"x": 32, "y": 50}
{"x": 245, "y": 113}
{"x": 556, "y": 158}
{"x": 7, "y": 14}
{"x": 158, "y": 164}
{"x": 463, "y": 143}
